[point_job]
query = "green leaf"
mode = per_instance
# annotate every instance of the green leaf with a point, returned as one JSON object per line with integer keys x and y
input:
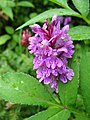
{"x": 5, "y": 3}
{"x": 68, "y": 91}
{"x": 51, "y": 114}
{"x": 82, "y": 6}
{"x": 62, "y": 3}
{"x": 24, "y": 89}
{"x": 8, "y": 12}
{"x": 49, "y": 14}
{"x": 25, "y": 4}
{"x": 62, "y": 115}
{"x": 4, "y": 38}
{"x": 85, "y": 78}
{"x": 9, "y": 30}
{"x": 12, "y": 44}
{"x": 11, "y": 3}
{"x": 80, "y": 33}
{"x": 15, "y": 38}
{"x": 81, "y": 118}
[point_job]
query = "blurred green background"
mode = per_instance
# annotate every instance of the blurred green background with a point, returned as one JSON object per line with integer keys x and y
{"x": 14, "y": 56}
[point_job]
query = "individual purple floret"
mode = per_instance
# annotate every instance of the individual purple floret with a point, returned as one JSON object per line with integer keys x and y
{"x": 52, "y": 47}
{"x": 67, "y": 20}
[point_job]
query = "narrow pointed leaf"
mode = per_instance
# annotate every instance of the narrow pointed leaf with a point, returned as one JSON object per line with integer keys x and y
{"x": 62, "y": 3}
{"x": 85, "y": 79}
{"x": 80, "y": 33}
{"x": 24, "y": 89}
{"x": 68, "y": 91}
{"x": 49, "y": 14}
{"x": 25, "y": 4}
{"x": 62, "y": 115}
{"x": 82, "y": 6}
{"x": 51, "y": 114}
{"x": 44, "y": 115}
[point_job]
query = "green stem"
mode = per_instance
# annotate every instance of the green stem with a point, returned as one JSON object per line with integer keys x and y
{"x": 20, "y": 42}
{"x": 86, "y": 20}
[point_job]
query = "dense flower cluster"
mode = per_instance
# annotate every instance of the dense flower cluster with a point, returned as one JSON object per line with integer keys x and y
{"x": 51, "y": 47}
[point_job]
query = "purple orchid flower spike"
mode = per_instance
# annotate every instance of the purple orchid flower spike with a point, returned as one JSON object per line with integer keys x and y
{"x": 52, "y": 47}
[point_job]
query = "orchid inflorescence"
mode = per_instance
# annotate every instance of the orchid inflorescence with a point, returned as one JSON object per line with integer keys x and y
{"x": 52, "y": 47}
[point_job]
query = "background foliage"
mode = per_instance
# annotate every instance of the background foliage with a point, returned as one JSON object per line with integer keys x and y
{"x": 71, "y": 104}
{"x": 14, "y": 56}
